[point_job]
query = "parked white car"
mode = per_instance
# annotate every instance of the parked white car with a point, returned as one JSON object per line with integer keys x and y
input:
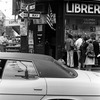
{"x": 39, "y": 77}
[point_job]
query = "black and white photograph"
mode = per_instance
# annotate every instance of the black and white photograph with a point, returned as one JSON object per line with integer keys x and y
{"x": 49, "y": 49}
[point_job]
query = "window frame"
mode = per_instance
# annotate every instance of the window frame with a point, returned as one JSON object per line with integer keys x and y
{"x": 24, "y": 60}
{"x": 71, "y": 73}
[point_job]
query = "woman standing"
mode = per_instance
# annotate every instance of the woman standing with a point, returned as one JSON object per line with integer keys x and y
{"x": 90, "y": 56}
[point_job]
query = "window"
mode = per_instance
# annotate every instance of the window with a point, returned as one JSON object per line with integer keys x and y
{"x": 16, "y": 69}
{"x": 2, "y": 64}
{"x": 53, "y": 69}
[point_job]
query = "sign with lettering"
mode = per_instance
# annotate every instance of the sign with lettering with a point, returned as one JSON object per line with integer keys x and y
{"x": 82, "y": 8}
{"x": 12, "y": 23}
{"x": 23, "y": 14}
{"x": 91, "y": 21}
{"x": 23, "y": 6}
{"x": 32, "y": 6}
{"x": 34, "y": 15}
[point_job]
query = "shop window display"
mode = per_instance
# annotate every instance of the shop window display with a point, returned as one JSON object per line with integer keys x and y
{"x": 82, "y": 25}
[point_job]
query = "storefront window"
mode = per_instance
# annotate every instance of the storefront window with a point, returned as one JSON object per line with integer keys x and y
{"x": 82, "y": 25}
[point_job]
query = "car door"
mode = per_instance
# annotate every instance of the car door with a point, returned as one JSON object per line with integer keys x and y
{"x": 63, "y": 82}
{"x": 20, "y": 81}
{"x": 80, "y": 85}
{"x": 79, "y": 88}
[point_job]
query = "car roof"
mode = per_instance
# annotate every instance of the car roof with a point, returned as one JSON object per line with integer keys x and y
{"x": 24, "y": 56}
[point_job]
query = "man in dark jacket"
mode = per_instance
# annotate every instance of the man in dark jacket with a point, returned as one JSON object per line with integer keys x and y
{"x": 96, "y": 50}
{"x": 96, "y": 47}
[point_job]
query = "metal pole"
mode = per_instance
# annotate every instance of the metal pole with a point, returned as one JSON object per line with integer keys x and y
{"x": 28, "y": 32}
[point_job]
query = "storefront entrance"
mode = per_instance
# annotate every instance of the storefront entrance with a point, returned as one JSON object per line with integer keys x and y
{"x": 50, "y": 41}
{"x": 44, "y": 40}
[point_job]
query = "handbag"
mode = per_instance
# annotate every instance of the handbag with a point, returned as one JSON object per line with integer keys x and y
{"x": 91, "y": 55}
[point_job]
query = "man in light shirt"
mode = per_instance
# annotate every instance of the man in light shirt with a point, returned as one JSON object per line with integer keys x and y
{"x": 77, "y": 44}
{"x": 69, "y": 47}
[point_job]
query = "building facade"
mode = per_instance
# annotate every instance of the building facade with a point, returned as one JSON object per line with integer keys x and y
{"x": 74, "y": 16}
{"x": 82, "y": 17}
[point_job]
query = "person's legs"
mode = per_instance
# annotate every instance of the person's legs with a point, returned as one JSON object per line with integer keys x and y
{"x": 96, "y": 61}
{"x": 78, "y": 53}
{"x": 68, "y": 59}
{"x": 1, "y": 48}
{"x": 71, "y": 59}
{"x": 79, "y": 64}
{"x": 75, "y": 59}
{"x": 88, "y": 67}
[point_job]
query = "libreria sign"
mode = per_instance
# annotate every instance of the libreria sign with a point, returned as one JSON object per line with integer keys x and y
{"x": 82, "y": 8}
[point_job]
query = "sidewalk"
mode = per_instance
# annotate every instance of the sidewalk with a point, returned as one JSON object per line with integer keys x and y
{"x": 95, "y": 68}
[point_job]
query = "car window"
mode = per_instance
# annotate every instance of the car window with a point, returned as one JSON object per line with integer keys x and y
{"x": 2, "y": 64}
{"x": 19, "y": 70}
{"x": 53, "y": 69}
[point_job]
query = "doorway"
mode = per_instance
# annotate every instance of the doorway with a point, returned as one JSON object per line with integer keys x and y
{"x": 50, "y": 41}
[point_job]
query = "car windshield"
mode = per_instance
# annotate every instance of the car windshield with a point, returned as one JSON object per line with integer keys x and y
{"x": 53, "y": 69}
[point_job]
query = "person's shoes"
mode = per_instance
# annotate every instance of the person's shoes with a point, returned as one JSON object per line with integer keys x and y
{"x": 79, "y": 67}
{"x": 67, "y": 65}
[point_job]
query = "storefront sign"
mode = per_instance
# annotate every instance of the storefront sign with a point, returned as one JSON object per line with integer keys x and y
{"x": 89, "y": 21}
{"x": 82, "y": 8}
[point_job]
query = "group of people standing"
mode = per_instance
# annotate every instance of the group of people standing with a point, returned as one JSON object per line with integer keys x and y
{"x": 82, "y": 51}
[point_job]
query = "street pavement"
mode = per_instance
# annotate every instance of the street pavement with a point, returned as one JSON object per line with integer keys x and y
{"x": 95, "y": 69}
